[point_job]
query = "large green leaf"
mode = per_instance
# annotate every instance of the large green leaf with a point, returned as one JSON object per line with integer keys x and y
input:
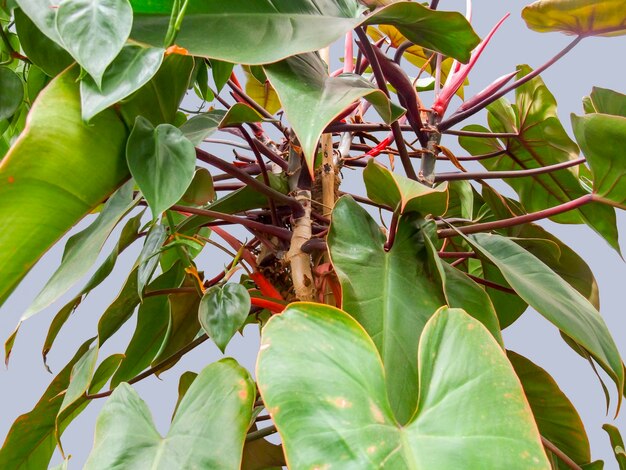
{"x": 391, "y": 293}
{"x": 94, "y": 31}
{"x": 599, "y": 135}
{"x": 323, "y": 383}
{"x": 131, "y": 69}
{"x": 12, "y": 92}
{"x": 208, "y": 430}
{"x": 555, "y": 299}
{"x": 556, "y": 417}
{"x": 312, "y": 99}
{"x": 403, "y": 194}
{"x": 162, "y": 162}
{"x": 223, "y": 311}
{"x": 265, "y": 31}
{"x": 542, "y": 141}
{"x": 580, "y": 17}
{"x": 42, "y": 198}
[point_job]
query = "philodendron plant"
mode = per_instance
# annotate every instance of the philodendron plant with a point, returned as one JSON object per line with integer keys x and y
{"x": 381, "y": 313}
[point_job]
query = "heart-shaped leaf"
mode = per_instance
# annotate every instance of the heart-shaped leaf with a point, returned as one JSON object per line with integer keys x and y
{"x": 312, "y": 99}
{"x": 555, "y": 299}
{"x": 599, "y": 135}
{"x": 223, "y": 310}
{"x": 131, "y": 69}
{"x": 541, "y": 141}
{"x": 403, "y": 194}
{"x": 94, "y": 31}
{"x": 83, "y": 166}
{"x": 391, "y": 293}
{"x": 12, "y": 92}
{"x": 556, "y": 417}
{"x": 580, "y": 17}
{"x": 208, "y": 430}
{"x": 323, "y": 383}
{"x": 162, "y": 162}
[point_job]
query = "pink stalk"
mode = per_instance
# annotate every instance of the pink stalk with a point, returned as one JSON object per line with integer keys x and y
{"x": 460, "y": 73}
{"x": 488, "y": 91}
{"x": 348, "y": 54}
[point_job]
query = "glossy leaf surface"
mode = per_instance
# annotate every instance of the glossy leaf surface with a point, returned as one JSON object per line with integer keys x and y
{"x": 162, "y": 162}
{"x": 265, "y": 31}
{"x": 223, "y": 311}
{"x": 471, "y": 412}
{"x": 394, "y": 308}
{"x": 312, "y": 99}
{"x": 555, "y": 299}
{"x": 580, "y": 17}
{"x": 207, "y": 432}
{"x": 84, "y": 165}
{"x": 129, "y": 71}
{"x": 94, "y": 31}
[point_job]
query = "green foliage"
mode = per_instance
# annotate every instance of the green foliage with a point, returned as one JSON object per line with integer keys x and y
{"x": 470, "y": 413}
{"x": 382, "y": 342}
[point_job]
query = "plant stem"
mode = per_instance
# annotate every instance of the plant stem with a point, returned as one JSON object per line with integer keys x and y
{"x": 487, "y": 135}
{"x": 154, "y": 369}
{"x": 300, "y": 261}
{"x": 253, "y": 436}
{"x": 458, "y": 117}
{"x": 257, "y": 107}
{"x": 393, "y": 228}
{"x": 560, "y": 454}
{"x": 173, "y": 291}
{"x": 519, "y": 220}
{"x": 485, "y": 175}
{"x": 248, "y": 180}
{"x": 491, "y": 284}
{"x": 380, "y": 81}
{"x": 281, "y": 233}
{"x": 261, "y": 163}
